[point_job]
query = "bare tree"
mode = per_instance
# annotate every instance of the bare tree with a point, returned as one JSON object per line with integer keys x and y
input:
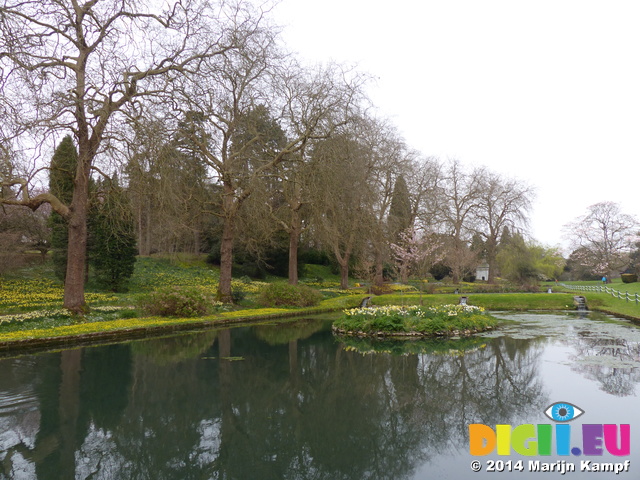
{"x": 289, "y": 207}
{"x": 343, "y": 198}
{"x": 305, "y": 104}
{"x": 75, "y": 66}
{"x": 167, "y": 186}
{"x": 391, "y": 163}
{"x": 603, "y": 238}
{"x": 459, "y": 199}
{"x": 424, "y": 178}
{"x": 501, "y": 203}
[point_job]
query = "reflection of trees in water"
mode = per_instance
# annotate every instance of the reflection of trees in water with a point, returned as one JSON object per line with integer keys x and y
{"x": 281, "y": 333}
{"x": 20, "y": 415}
{"x": 303, "y": 409}
{"x": 489, "y": 385}
{"x": 612, "y": 362}
{"x": 76, "y": 391}
{"x": 343, "y": 415}
{"x": 169, "y": 350}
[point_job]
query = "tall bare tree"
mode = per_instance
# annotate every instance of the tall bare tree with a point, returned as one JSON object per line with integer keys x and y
{"x": 391, "y": 203}
{"x": 343, "y": 198}
{"x": 502, "y": 202}
{"x": 603, "y": 238}
{"x": 459, "y": 199}
{"x": 76, "y": 66}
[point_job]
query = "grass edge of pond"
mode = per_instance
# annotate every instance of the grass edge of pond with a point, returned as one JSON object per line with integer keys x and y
{"x": 126, "y": 329}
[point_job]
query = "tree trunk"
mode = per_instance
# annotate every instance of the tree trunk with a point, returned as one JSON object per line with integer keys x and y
{"x": 491, "y": 260}
{"x": 139, "y": 229}
{"x": 294, "y": 241}
{"x": 378, "y": 279}
{"x": 226, "y": 260}
{"x": 229, "y": 208}
{"x": 196, "y": 241}
{"x": 148, "y": 227}
{"x": 344, "y": 272}
{"x": 77, "y": 247}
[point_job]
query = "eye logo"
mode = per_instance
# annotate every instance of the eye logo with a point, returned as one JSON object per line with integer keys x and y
{"x": 563, "y": 412}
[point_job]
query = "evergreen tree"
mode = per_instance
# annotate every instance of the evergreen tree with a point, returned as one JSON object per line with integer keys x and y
{"x": 505, "y": 238}
{"x": 400, "y": 209}
{"x": 61, "y": 174}
{"x": 112, "y": 240}
{"x": 479, "y": 247}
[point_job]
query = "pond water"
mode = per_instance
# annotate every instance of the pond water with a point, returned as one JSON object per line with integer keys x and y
{"x": 290, "y": 401}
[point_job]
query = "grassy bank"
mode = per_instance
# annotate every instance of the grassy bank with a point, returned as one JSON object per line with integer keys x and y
{"x": 605, "y": 302}
{"x": 489, "y": 301}
{"x": 89, "y": 332}
{"x": 31, "y": 302}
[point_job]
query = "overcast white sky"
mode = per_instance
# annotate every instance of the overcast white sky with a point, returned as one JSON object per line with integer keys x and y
{"x": 545, "y": 91}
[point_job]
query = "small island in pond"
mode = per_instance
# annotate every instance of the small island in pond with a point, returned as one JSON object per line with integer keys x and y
{"x": 414, "y": 321}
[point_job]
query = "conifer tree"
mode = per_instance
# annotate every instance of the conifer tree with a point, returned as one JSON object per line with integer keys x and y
{"x": 112, "y": 239}
{"x": 61, "y": 174}
{"x": 400, "y": 209}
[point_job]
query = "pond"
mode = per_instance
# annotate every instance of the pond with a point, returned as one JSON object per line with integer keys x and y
{"x": 290, "y": 401}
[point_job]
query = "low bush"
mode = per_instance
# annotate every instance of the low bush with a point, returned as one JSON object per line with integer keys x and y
{"x": 381, "y": 289}
{"x": 177, "y": 301}
{"x": 283, "y": 294}
{"x": 238, "y": 295}
{"x": 629, "y": 277}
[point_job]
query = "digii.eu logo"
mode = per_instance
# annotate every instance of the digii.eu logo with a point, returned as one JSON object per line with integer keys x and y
{"x": 544, "y": 439}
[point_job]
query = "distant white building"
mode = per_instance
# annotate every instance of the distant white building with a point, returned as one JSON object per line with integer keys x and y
{"x": 482, "y": 272}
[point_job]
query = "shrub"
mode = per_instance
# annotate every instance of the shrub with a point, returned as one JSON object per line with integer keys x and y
{"x": 629, "y": 277}
{"x": 381, "y": 289}
{"x": 177, "y": 302}
{"x": 440, "y": 270}
{"x": 238, "y": 295}
{"x": 128, "y": 314}
{"x": 283, "y": 294}
{"x": 430, "y": 288}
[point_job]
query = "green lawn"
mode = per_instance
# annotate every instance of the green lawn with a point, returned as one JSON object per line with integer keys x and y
{"x": 606, "y": 301}
{"x": 31, "y": 300}
{"x": 489, "y": 301}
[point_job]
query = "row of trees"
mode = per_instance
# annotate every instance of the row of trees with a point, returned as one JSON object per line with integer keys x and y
{"x": 209, "y": 114}
{"x": 222, "y": 139}
{"x": 103, "y": 70}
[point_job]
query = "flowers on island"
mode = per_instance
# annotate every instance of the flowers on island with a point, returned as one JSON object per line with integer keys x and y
{"x": 412, "y": 310}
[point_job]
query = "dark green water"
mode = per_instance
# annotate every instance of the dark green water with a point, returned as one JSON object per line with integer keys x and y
{"x": 289, "y": 401}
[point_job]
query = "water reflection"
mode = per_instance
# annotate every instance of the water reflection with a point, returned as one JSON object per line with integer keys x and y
{"x": 275, "y": 401}
{"x": 612, "y": 362}
{"x": 606, "y": 350}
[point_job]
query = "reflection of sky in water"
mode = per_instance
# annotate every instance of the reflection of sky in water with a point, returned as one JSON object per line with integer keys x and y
{"x": 577, "y": 366}
{"x": 606, "y": 351}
